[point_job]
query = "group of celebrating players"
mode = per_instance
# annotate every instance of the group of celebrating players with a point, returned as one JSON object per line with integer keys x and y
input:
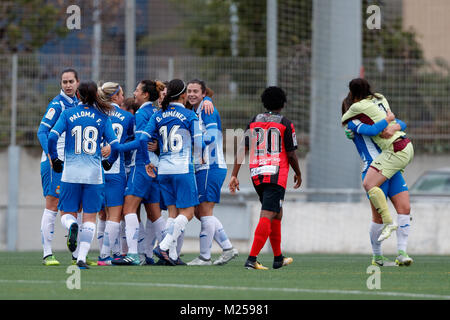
{"x": 166, "y": 153}
{"x": 105, "y": 156}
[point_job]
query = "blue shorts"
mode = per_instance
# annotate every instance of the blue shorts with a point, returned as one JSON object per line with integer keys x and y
{"x": 393, "y": 186}
{"x": 51, "y": 180}
{"x": 75, "y": 195}
{"x": 179, "y": 190}
{"x": 141, "y": 185}
{"x": 209, "y": 184}
{"x": 115, "y": 185}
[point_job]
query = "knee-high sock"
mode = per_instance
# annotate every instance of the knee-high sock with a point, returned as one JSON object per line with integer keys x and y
{"x": 275, "y": 237}
{"x": 47, "y": 230}
{"x": 132, "y": 232}
{"x": 110, "y": 238}
{"x": 158, "y": 226}
{"x": 404, "y": 224}
{"x": 374, "y": 232}
{"x": 262, "y": 232}
{"x": 101, "y": 225}
{"x": 170, "y": 240}
{"x": 123, "y": 238}
{"x": 378, "y": 199}
{"x": 149, "y": 238}
{"x": 86, "y": 233}
{"x": 114, "y": 238}
{"x": 206, "y": 236}
{"x": 220, "y": 236}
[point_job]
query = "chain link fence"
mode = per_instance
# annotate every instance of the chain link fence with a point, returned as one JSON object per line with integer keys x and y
{"x": 417, "y": 91}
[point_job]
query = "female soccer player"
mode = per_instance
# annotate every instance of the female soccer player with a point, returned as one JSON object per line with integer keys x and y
{"x": 180, "y": 143}
{"x": 209, "y": 176}
{"x": 51, "y": 180}
{"x": 82, "y": 176}
{"x": 395, "y": 188}
{"x": 272, "y": 144}
{"x": 141, "y": 187}
{"x": 397, "y": 151}
{"x": 115, "y": 179}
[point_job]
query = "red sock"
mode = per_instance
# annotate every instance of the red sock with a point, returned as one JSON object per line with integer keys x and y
{"x": 261, "y": 234}
{"x": 275, "y": 237}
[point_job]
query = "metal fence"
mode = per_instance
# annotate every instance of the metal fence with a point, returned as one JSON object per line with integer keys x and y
{"x": 417, "y": 91}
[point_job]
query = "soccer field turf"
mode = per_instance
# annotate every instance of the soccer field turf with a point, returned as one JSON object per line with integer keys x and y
{"x": 310, "y": 276}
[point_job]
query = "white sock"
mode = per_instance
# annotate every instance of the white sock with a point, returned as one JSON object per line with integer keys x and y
{"x": 86, "y": 233}
{"x": 168, "y": 228}
{"x": 108, "y": 240}
{"x": 132, "y": 232}
{"x": 158, "y": 227}
{"x": 207, "y": 230}
{"x": 101, "y": 232}
{"x": 404, "y": 225}
{"x": 180, "y": 242}
{"x": 374, "y": 232}
{"x": 142, "y": 238}
{"x": 114, "y": 240}
{"x": 47, "y": 230}
{"x": 220, "y": 235}
{"x": 67, "y": 220}
{"x": 123, "y": 238}
{"x": 149, "y": 240}
{"x": 170, "y": 240}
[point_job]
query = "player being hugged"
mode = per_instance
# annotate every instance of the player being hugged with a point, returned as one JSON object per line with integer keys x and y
{"x": 82, "y": 181}
{"x": 180, "y": 142}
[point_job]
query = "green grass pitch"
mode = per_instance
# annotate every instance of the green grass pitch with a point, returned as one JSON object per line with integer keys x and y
{"x": 310, "y": 276}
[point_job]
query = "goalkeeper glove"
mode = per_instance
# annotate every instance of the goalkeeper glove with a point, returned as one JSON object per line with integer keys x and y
{"x": 57, "y": 165}
{"x": 350, "y": 134}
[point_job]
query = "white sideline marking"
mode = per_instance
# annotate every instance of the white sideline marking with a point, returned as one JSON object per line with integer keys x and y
{"x": 194, "y": 286}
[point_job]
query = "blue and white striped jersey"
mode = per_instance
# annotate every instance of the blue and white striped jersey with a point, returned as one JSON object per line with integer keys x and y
{"x": 58, "y": 104}
{"x": 211, "y": 127}
{"x": 123, "y": 124}
{"x": 85, "y": 128}
{"x": 143, "y": 116}
{"x": 179, "y": 138}
{"x": 363, "y": 133}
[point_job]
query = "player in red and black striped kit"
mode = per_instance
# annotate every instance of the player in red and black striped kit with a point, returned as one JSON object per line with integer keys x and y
{"x": 270, "y": 139}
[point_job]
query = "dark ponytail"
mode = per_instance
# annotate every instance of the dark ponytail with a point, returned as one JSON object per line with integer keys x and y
{"x": 153, "y": 88}
{"x": 88, "y": 94}
{"x": 175, "y": 89}
{"x": 360, "y": 89}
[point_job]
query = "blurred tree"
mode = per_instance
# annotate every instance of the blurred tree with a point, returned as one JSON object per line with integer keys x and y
{"x": 25, "y": 25}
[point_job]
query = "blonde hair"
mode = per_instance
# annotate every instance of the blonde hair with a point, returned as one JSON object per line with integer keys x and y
{"x": 107, "y": 90}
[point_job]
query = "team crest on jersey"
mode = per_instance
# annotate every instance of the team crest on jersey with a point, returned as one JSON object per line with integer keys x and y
{"x": 57, "y": 191}
{"x": 50, "y": 113}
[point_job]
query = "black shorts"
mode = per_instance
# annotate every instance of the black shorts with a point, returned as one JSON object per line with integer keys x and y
{"x": 271, "y": 196}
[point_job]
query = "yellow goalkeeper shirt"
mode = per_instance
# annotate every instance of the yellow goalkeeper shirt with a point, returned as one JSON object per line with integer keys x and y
{"x": 369, "y": 111}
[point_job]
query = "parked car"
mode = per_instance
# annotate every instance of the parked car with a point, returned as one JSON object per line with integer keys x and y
{"x": 433, "y": 185}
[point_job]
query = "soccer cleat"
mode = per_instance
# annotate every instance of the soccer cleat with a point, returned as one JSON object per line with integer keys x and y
{"x": 226, "y": 256}
{"x": 104, "y": 261}
{"x": 164, "y": 255}
{"x": 282, "y": 263}
{"x": 387, "y": 231}
{"x": 72, "y": 237}
{"x": 128, "y": 260}
{"x": 180, "y": 262}
{"x": 50, "y": 261}
{"x": 200, "y": 261}
{"x": 254, "y": 265}
{"x": 382, "y": 261}
{"x": 82, "y": 265}
{"x": 403, "y": 259}
{"x": 90, "y": 262}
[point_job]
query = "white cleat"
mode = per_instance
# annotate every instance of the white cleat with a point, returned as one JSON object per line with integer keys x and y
{"x": 226, "y": 256}
{"x": 387, "y": 231}
{"x": 199, "y": 261}
{"x": 403, "y": 259}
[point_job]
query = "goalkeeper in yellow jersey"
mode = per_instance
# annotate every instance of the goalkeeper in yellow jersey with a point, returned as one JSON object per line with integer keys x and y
{"x": 397, "y": 151}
